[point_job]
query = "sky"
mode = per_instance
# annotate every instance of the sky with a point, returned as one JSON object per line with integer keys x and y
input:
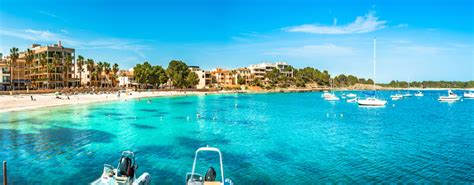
{"x": 416, "y": 40}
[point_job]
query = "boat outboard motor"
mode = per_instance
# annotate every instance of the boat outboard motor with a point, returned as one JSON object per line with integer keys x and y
{"x": 125, "y": 167}
{"x": 210, "y": 174}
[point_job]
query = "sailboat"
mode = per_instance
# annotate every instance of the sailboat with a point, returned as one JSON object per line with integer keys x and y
{"x": 408, "y": 91}
{"x": 372, "y": 101}
{"x": 396, "y": 96}
{"x": 330, "y": 96}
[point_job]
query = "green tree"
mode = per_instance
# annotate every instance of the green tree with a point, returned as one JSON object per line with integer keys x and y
{"x": 90, "y": 65}
{"x": 80, "y": 63}
{"x": 56, "y": 62}
{"x": 67, "y": 64}
{"x": 240, "y": 80}
{"x": 157, "y": 76}
{"x": 115, "y": 70}
{"x": 99, "y": 68}
{"x": 29, "y": 56}
{"x": 107, "y": 70}
{"x": 192, "y": 80}
{"x": 13, "y": 57}
{"x": 178, "y": 72}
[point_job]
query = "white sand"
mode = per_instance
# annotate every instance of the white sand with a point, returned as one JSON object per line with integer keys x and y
{"x": 23, "y": 102}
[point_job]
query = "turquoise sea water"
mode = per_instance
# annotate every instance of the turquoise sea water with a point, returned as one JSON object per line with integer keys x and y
{"x": 280, "y": 138}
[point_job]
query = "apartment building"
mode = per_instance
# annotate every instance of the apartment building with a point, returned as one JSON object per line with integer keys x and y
{"x": 52, "y": 67}
{"x": 244, "y": 74}
{"x": 205, "y": 77}
{"x": 259, "y": 70}
{"x": 4, "y": 75}
{"x": 224, "y": 77}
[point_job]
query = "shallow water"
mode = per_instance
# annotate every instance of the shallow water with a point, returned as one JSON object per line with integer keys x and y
{"x": 280, "y": 138}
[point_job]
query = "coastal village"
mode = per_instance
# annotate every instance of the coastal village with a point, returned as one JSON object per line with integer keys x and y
{"x": 56, "y": 67}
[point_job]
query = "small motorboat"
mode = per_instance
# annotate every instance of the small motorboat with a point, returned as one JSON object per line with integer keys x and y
{"x": 408, "y": 94}
{"x": 419, "y": 94}
{"x": 353, "y": 100}
{"x": 193, "y": 178}
{"x": 396, "y": 96}
{"x": 469, "y": 95}
{"x": 331, "y": 97}
{"x": 372, "y": 102}
{"x": 124, "y": 174}
{"x": 351, "y": 95}
{"x": 452, "y": 97}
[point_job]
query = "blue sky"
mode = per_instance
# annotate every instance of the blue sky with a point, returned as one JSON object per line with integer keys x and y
{"x": 422, "y": 40}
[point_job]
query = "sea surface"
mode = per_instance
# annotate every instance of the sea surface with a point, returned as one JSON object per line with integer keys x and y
{"x": 275, "y": 138}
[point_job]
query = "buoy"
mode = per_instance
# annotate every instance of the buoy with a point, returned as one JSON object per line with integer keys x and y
{"x": 327, "y": 115}
{"x": 393, "y": 105}
{"x": 187, "y": 118}
{"x": 342, "y": 115}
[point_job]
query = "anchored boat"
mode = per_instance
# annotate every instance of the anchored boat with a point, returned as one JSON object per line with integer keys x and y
{"x": 372, "y": 101}
{"x": 351, "y": 95}
{"x": 452, "y": 97}
{"x": 419, "y": 94}
{"x": 396, "y": 96}
{"x": 469, "y": 94}
{"x": 124, "y": 174}
{"x": 193, "y": 178}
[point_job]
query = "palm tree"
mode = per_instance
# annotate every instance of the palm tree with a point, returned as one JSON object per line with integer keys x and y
{"x": 99, "y": 68}
{"x": 43, "y": 62}
{"x": 67, "y": 63}
{"x": 49, "y": 68}
{"x": 107, "y": 70}
{"x": 56, "y": 62}
{"x": 29, "y": 56}
{"x": 90, "y": 68}
{"x": 80, "y": 62}
{"x": 13, "y": 57}
{"x": 115, "y": 69}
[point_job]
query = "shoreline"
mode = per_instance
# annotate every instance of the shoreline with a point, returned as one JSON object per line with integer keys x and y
{"x": 22, "y": 102}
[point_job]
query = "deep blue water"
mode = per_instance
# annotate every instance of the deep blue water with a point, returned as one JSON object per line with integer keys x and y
{"x": 280, "y": 138}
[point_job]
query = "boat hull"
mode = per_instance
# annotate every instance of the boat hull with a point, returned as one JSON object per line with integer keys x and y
{"x": 372, "y": 103}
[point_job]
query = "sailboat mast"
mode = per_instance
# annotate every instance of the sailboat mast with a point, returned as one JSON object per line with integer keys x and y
{"x": 375, "y": 40}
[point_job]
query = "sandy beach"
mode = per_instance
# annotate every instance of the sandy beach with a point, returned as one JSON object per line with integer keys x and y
{"x": 24, "y": 101}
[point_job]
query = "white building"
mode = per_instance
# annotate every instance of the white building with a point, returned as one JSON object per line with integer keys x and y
{"x": 259, "y": 70}
{"x": 205, "y": 77}
{"x": 4, "y": 75}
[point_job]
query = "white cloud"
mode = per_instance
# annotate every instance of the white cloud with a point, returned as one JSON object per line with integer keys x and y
{"x": 310, "y": 51}
{"x": 362, "y": 24}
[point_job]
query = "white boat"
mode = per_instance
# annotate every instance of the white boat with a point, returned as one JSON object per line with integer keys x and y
{"x": 351, "y": 95}
{"x": 469, "y": 95}
{"x": 408, "y": 94}
{"x": 124, "y": 174}
{"x": 396, "y": 96}
{"x": 193, "y": 178}
{"x": 353, "y": 100}
{"x": 452, "y": 97}
{"x": 419, "y": 94}
{"x": 331, "y": 97}
{"x": 372, "y": 101}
